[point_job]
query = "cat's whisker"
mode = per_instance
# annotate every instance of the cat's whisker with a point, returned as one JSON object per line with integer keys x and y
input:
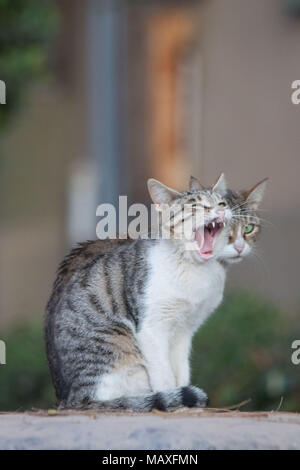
{"x": 259, "y": 220}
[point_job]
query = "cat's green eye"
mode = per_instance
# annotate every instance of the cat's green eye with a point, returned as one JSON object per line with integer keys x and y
{"x": 248, "y": 228}
{"x": 222, "y": 204}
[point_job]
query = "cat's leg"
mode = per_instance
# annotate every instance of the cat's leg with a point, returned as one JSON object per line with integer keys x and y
{"x": 128, "y": 387}
{"x": 154, "y": 345}
{"x": 126, "y": 378}
{"x": 180, "y": 358}
{"x": 125, "y": 381}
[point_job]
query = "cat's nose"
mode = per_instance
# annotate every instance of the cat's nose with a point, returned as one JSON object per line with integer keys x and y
{"x": 220, "y": 214}
{"x": 239, "y": 248}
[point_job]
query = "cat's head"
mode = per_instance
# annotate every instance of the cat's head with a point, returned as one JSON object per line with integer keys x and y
{"x": 197, "y": 219}
{"x": 245, "y": 224}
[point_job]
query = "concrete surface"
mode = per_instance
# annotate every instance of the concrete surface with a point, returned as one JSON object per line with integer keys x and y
{"x": 187, "y": 430}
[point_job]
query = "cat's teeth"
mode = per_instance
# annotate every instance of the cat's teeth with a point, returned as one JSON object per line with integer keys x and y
{"x": 213, "y": 224}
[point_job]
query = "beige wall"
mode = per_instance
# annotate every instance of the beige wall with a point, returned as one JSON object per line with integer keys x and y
{"x": 37, "y": 151}
{"x": 249, "y": 128}
{"x": 36, "y": 155}
{"x": 252, "y": 130}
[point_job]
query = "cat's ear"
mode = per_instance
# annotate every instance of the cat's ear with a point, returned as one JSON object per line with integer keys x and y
{"x": 195, "y": 184}
{"x": 220, "y": 185}
{"x": 161, "y": 194}
{"x": 254, "y": 195}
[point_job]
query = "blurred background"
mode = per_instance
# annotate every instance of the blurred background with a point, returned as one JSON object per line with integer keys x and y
{"x": 102, "y": 95}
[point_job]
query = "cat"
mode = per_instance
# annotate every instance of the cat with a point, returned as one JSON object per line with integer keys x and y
{"x": 122, "y": 314}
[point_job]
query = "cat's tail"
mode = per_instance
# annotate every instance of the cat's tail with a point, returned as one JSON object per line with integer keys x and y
{"x": 164, "y": 401}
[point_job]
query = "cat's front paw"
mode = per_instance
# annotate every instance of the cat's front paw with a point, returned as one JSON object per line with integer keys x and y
{"x": 194, "y": 397}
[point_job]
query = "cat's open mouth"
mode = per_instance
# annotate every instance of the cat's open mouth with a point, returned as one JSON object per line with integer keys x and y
{"x": 206, "y": 236}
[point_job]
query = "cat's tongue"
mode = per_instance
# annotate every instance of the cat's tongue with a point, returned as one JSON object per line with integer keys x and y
{"x": 204, "y": 239}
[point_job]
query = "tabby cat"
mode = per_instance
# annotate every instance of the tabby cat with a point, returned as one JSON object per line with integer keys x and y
{"x": 122, "y": 314}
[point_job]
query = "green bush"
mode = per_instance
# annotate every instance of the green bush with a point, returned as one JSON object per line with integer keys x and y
{"x": 243, "y": 351}
{"x": 25, "y": 380}
{"x": 26, "y": 29}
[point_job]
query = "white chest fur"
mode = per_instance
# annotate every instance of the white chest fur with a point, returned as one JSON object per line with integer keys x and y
{"x": 180, "y": 293}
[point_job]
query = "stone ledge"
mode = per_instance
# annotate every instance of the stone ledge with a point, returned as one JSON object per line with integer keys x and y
{"x": 184, "y": 429}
